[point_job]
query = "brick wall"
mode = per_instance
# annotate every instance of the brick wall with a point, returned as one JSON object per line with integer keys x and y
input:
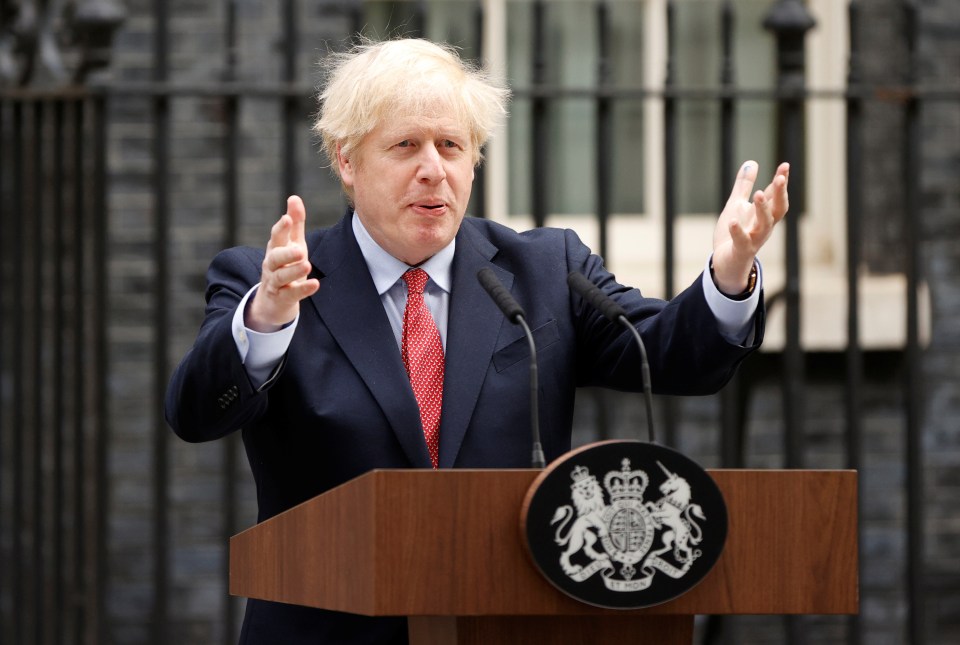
{"x": 940, "y": 200}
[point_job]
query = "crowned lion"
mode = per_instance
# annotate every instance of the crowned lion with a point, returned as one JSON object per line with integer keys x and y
{"x": 587, "y": 497}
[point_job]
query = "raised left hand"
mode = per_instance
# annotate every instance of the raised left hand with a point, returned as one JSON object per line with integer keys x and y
{"x": 745, "y": 226}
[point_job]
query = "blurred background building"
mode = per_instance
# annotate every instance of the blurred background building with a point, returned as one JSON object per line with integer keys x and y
{"x": 138, "y": 138}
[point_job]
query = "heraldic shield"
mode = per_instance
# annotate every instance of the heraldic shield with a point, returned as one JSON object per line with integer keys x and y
{"x": 624, "y": 524}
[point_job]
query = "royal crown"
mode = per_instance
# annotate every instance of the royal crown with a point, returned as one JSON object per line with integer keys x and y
{"x": 626, "y": 484}
{"x": 580, "y": 474}
{"x": 583, "y": 480}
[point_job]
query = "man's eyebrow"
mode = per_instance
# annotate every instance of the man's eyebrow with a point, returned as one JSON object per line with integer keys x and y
{"x": 453, "y": 133}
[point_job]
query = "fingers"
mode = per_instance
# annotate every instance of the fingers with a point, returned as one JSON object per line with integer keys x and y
{"x": 287, "y": 238}
{"x": 283, "y": 267}
{"x": 303, "y": 289}
{"x": 285, "y": 260}
{"x": 284, "y": 297}
{"x": 284, "y": 276}
{"x": 774, "y": 200}
{"x": 777, "y": 192}
{"x": 747, "y": 222}
{"x": 290, "y": 228}
{"x": 280, "y": 232}
{"x": 275, "y": 305}
{"x": 743, "y": 185}
{"x": 763, "y": 214}
{"x": 298, "y": 215}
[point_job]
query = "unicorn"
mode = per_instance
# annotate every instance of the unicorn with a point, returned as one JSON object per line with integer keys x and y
{"x": 675, "y": 512}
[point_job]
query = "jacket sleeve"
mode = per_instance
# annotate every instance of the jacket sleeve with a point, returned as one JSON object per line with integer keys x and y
{"x": 210, "y": 394}
{"x": 687, "y": 353}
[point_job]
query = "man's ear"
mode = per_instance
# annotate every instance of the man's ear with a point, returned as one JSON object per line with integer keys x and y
{"x": 345, "y": 167}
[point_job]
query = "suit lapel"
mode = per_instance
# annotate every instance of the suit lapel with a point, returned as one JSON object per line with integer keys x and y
{"x": 349, "y": 305}
{"x": 472, "y": 331}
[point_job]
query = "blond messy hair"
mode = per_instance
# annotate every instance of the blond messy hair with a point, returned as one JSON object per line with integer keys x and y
{"x": 374, "y": 80}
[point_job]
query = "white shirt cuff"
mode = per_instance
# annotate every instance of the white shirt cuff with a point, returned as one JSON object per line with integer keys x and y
{"x": 734, "y": 317}
{"x": 260, "y": 353}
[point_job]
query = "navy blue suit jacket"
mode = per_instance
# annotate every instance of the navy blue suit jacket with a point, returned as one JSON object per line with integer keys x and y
{"x": 341, "y": 404}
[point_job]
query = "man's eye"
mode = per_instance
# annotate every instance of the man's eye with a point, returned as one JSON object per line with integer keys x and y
{"x": 447, "y": 143}
{"x": 404, "y": 144}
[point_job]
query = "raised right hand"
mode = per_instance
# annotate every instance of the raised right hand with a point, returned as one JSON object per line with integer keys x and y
{"x": 283, "y": 278}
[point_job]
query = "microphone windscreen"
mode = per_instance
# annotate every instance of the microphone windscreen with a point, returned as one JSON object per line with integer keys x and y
{"x": 506, "y": 302}
{"x": 592, "y": 294}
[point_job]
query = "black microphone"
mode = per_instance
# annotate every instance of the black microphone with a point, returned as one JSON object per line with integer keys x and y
{"x": 514, "y": 313}
{"x": 615, "y": 313}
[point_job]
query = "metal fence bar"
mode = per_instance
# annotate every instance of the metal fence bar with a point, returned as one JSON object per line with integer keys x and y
{"x": 35, "y": 390}
{"x": 480, "y": 173}
{"x": 18, "y": 427}
{"x": 539, "y": 115}
{"x": 161, "y": 183}
{"x": 720, "y": 629}
{"x": 291, "y": 104}
{"x": 58, "y": 318}
{"x": 731, "y": 409}
{"x": 37, "y": 210}
{"x": 603, "y": 140}
{"x": 78, "y": 325}
{"x": 57, "y": 588}
{"x": 231, "y": 190}
{"x": 854, "y": 354}
{"x": 354, "y": 11}
{"x": 604, "y": 128}
{"x": 727, "y": 104}
{"x": 418, "y": 21}
{"x": 667, "y": 404}
{"x": 789, "y": 21}
{"x": 98, "y": 475}
{"x": 913, "y": 374}
{"x": 3, "y": 357}
{"x": 230, "y": 461}
{"x": 669, "y": 158}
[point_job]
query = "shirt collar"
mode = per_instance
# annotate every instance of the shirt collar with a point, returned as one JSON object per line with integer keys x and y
{"x": 386, "y": 270}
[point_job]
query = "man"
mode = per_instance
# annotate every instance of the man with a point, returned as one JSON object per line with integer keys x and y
{"x": 333, "y": 358}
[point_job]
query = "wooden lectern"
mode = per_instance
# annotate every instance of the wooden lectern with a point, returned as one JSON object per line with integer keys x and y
{"x": 444, "y": 548}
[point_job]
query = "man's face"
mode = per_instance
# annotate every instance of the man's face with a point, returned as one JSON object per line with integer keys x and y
{"x": 411, "y": 179}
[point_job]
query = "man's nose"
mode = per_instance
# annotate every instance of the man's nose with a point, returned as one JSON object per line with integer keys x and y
{"x": 430, "y": 167}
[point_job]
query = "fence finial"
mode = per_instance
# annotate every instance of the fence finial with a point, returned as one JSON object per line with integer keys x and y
{"x": 789, "y": 16}
{"x": 32, "y": 43}
{"x": 789, "y": 21}
{"x": 93, "y": 24}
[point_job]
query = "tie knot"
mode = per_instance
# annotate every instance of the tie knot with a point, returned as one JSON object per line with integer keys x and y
{"x": 416, "y": 280}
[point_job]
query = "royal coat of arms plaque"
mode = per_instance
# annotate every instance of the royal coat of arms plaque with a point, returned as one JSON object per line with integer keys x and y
{"x": 624, "y": 524}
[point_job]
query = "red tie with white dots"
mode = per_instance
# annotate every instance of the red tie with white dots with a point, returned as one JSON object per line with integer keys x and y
{"x": 422, "y": 352}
